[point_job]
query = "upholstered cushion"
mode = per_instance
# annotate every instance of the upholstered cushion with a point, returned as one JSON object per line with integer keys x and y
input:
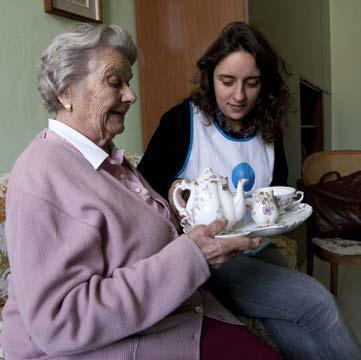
{"x": 134, "y": 158}
{"x": 287, "y": 247}
{"x": 339, "y": 246}
{"x": 4, "y": 262}
{"x": 3, "y": 184}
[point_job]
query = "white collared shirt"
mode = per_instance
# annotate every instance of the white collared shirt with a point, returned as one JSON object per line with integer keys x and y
{"x": 92, "y": 152}
{"x": 96, "y": 156}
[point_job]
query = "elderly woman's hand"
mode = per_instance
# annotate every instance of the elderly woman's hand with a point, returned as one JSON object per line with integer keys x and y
{"x": 218, "y": 251}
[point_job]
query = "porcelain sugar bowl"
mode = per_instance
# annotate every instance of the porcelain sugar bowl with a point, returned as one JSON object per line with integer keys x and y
{"x": 264, "y": 210}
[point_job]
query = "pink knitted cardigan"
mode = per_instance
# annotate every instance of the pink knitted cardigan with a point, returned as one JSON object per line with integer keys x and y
{"x": 95, "y": 272}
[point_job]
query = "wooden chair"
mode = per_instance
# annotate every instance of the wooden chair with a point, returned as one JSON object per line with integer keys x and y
{"x": 333, "y": 250}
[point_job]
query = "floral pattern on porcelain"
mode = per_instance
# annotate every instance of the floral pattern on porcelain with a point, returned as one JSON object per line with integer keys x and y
{"x": 264, "y": 210}
{"x": 210, "y": 199}
{"x": 285, "y": 196}
{"x": 283, "y": 203}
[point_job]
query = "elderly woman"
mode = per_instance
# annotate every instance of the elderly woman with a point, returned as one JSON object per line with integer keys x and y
{"x": 98, "y": 270}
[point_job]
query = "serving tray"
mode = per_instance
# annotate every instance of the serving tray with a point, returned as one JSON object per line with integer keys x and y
{"x": 289, "y": 220}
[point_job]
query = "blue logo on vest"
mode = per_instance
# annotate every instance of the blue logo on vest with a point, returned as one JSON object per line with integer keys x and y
{"x": 243, "y": 171}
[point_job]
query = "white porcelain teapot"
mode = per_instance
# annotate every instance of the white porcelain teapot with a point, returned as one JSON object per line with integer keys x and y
{"x": 210, "y": 199}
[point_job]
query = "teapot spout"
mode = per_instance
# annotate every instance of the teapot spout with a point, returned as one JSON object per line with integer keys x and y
{"x": 239, "y": 201}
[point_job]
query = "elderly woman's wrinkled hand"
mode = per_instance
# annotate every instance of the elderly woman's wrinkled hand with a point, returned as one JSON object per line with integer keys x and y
{"x": 217, "y": 251}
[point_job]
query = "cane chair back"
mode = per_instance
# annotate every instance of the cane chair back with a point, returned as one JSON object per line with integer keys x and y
{"x": 317, "y": 164}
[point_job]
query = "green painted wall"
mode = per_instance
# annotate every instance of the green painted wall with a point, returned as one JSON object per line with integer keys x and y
{"x": 25, "y": 32}
{"x": 345, "y": 73}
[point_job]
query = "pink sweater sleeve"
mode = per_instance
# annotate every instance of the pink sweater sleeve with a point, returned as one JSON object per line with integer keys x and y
{"x": 65, "y": 302}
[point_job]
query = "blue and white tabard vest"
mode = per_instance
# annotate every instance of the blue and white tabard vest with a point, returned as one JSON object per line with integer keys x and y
{"x": 209, "y": 146}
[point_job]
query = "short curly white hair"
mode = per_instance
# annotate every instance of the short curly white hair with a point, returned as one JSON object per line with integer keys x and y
{"x": 67, "y": 57}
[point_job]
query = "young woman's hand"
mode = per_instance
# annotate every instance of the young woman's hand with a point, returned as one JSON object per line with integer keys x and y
{"x": 217, "y": 251}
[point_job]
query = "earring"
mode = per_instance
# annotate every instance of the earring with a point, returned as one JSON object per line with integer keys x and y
{"x": 68, "y": 107}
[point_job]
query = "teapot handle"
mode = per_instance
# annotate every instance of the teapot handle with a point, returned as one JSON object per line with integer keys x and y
{"x": 184, "y": 185}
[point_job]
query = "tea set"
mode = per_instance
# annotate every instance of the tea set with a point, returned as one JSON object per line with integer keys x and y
{"x": 210, "y": 199}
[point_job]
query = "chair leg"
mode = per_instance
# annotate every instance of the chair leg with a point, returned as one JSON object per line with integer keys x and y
{"x": 333, "y": 279}
{"x": 309, "y": 259}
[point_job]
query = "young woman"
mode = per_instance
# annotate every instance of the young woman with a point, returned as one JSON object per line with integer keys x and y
{"x": 233, "y": 122}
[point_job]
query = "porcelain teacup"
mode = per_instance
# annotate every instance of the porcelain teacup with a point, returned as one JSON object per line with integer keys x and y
{"x": 285, "y": 196}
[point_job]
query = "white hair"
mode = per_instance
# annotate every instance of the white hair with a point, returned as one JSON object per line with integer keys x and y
{"x": 67, "y": 57}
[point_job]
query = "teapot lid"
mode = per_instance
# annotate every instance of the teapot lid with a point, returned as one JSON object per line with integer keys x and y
{"x": 209, "y": 175}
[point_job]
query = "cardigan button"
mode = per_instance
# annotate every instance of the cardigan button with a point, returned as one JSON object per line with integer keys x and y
{"x": 137, "y": 190}
{"x": 198, "y": 310}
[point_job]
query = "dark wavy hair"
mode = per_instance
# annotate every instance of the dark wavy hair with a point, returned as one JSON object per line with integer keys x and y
{"x": 274, "y": 98}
